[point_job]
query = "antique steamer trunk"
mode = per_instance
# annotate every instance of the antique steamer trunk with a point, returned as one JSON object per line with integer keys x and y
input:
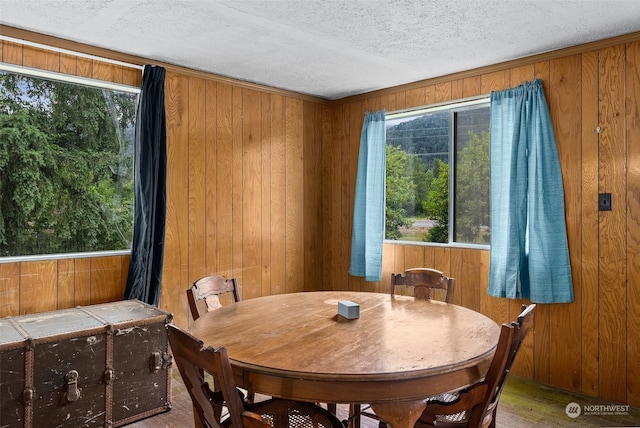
{"x": 95, "y": 366}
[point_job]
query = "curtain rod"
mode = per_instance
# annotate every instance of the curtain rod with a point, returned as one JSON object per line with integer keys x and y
{"x": 70, "y": 52}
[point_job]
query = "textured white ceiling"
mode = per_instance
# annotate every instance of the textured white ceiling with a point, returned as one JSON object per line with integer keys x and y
{"x": 327, "y": 48}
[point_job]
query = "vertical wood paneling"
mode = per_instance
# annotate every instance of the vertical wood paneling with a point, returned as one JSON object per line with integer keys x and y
{"x": 413, "y": 256}
{"x": 211, "y": 178}
{"x": 294, "y": 149}
{"x": 278, "y": 195}
{"x": 12, "y": 53}
{"x": 84, "y": 67}
{"x": 429, "y": 94}
{"x": 175, "y": 273}
{"x": 40, "y": 58}
{"x": 612, "y": 259}
{"x": 251, "y": 193}
{"x": 455, "y": 270}
{"x": 457, "y": 89}
{"x": 237, "y": 175}
{"x": 131, "y": 76}
{"x": 197, "y": 181}
{"x": 265, "y": 195}
{"x": 124, "y": 266}
{"x": 415, "y": 97}
{"x": 9, "y": 289}
{"x": 331, "y": 201}
{"x": 633, "y": 220}
{"x": 399, "y": 263}
{"x": 442, "y": 260}
{"x": 224, "y": 180}
{"x": 66, "y": 284}
{"x": 68, "y": 64}
{"x": 312, "y": 223}
{"x": 442, "y": 92}
{"x": 38, "y": 286}
{"x": 387, "y": 267}
{"x": 429, "y": 255}
{"x": 105, "y": 279}
{"x": 390, "y": 101}
{"x": 107, "y": 72}
{"x": 565, "y": 326}
{"x": 472, "y": 86}
{"x": 470, "y": 274}
{"x": 82, "y": 279}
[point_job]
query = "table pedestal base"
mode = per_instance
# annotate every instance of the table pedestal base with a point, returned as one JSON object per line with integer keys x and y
{"x": 400, "y": 414}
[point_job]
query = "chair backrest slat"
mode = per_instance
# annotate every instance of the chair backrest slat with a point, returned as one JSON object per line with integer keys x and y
{"x": 423, "y": 281}
{"x": 209, "y": 289}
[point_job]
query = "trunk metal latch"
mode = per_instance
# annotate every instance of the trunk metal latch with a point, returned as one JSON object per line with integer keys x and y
{"x": 73, "y": 392}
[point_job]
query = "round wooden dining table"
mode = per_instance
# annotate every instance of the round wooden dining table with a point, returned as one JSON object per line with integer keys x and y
{"x": 399, "y": 352}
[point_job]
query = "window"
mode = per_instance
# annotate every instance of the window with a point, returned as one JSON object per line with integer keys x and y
{"x": 437, "y": 187}
{"x": 66, "y": 163}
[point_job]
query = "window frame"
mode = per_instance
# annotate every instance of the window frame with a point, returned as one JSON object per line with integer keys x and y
{"x": 458, "y": 105}
{"x": 77, "y": 80}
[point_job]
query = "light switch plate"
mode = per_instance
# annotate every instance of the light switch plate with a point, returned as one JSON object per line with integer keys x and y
{"x": 604, "y": 202}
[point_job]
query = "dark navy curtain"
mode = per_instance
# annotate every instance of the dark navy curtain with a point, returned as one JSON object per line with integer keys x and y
{"x": 147, "y": 249}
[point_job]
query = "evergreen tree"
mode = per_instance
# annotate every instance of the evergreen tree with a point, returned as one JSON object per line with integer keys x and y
{"x": 472, "y": 191}
{"x": 400, "y": 191}
{"x": 437, "y": 205}
{"x": 63, "y": 184}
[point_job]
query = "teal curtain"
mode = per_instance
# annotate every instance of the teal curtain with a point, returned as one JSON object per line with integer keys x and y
{"x": 529, "y": 250}
{"x": 368, "y": 211}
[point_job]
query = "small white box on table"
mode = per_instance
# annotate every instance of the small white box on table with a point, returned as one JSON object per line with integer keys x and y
{"x": 348, "y": 309}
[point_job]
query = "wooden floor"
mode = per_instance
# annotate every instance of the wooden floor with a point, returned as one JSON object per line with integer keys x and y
{"x": 523, "y": 404}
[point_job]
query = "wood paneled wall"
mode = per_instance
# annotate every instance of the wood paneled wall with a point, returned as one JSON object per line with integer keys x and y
{"x": 243, "y": 193}
{"x": 260, "y": 186}
{"x": 593, "y": 344}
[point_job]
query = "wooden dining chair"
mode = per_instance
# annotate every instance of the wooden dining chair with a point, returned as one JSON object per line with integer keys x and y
{"x": 209, "y": 289}
{"x": 475, "y": 406}
{"x": 427, "y": 283}
{"x": 193, "y": 360}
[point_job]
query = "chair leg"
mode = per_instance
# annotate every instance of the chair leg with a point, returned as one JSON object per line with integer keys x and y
{"x": 197, "y": 422}
{"x": 354, "y": 415}
{"x": 332, "y": 407}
